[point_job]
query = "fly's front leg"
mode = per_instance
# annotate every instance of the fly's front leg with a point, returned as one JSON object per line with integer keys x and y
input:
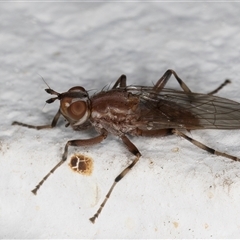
{"x": 122, "y": 82}
{"x": 52, "y": 125}
{"x": 78, "y": 143}
{"x": 133, "y": 149}
{"x": 204, "y": 147}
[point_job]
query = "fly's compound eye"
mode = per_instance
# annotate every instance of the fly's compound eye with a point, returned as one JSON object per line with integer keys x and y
{"x": 74, "y": 110}
{"x": 77, "y": 89}
{"x": 75, "y": 105}
{"x": 77, "y": 109}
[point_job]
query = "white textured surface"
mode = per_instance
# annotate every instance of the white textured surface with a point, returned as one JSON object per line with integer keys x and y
{"x": 170, "y": 194}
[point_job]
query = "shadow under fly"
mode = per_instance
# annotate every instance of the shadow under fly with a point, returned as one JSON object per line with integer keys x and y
{"x": 141, "y": 111}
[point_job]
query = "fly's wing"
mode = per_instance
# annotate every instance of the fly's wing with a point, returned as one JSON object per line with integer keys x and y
{"x": 177, "y": 109}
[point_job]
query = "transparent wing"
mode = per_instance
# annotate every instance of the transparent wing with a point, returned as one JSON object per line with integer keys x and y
{"x": 177, "y": 109}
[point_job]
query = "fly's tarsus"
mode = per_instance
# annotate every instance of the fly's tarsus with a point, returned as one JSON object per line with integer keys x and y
{"x": 227, "y": 81}
{"x": 140, "y": 111}
{"x": 34, "y": 191}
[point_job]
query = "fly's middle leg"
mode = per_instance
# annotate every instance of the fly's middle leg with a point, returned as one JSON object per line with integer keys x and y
{"x": 133, "y": 149}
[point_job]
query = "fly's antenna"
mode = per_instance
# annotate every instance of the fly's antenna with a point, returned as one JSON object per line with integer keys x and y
{"x": 44, "y": 80}
{"x": 50, "y": 91}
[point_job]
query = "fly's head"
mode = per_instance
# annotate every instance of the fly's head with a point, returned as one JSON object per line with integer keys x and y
{"x": 74, "y": 104}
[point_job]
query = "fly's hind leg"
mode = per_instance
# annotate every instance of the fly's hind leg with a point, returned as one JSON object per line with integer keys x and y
{"x": 133, "y": 149}
{"x": 166, "y": 76}
{"x": 204, "y": 147}
{"x": 164, "y": 79}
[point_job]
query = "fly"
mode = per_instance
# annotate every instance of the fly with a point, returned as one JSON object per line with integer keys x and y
{"x": 141, "y": 111}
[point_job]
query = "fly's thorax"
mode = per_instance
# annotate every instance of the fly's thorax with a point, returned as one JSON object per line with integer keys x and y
{"x": 114, "y": 102}
{"x": 115, "y": 110}
{"x": 75, "y": 105}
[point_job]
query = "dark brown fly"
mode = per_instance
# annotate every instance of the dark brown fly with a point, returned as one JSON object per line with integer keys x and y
{"x": 141, "y": 111}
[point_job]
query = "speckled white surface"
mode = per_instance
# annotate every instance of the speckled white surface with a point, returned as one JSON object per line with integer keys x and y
{"x": 176, "y": 190}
